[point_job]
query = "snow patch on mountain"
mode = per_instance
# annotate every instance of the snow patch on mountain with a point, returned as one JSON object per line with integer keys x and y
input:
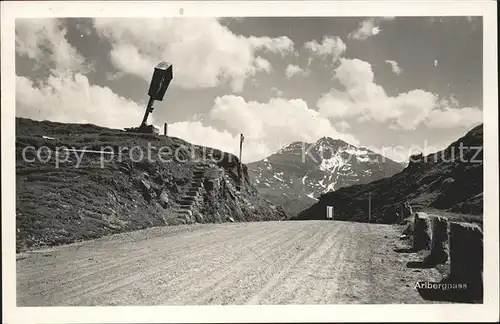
{"x": 311, "y": 195}
{"x": 332, "y": 163}
{"x": 278, "y": 176}
{"x": 331, "y": 187}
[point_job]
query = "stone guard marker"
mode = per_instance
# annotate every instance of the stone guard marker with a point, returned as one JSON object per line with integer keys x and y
{"x": 329, "y": 212}
{"x": 440, "y": 249}
{"x": 422, "y": 232}
{"x": 466, "y": 257}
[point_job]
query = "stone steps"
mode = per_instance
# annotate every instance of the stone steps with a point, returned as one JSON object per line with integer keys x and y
{"x": 185, "y": 201}
{"x": 189, "y": 197}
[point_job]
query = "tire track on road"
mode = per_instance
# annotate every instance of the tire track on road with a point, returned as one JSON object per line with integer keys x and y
{"x": 188, "y": 278}
{"x": 239, "y": 272}
{"x": 210, "y": 283}
{"x": 113, "y": 266}
{"x": 95, "y": 269}
{"x": 357, "y": 289}
{"x": 255, "y": 300}
{"x": 304, "y": 283}
{"x": 95, "y": 249}
{"x": 103, "y": 286}
{"x": 344, "y": 247}
{"x": 107, "y": 261}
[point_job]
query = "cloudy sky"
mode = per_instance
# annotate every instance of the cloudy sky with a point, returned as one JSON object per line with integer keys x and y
{"x": 412, "y": 82}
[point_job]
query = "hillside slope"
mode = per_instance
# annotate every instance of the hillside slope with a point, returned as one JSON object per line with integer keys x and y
{"x": 300, "y": 172}
{"x": 83, "y": 196}
{"x": 450, "y": 180}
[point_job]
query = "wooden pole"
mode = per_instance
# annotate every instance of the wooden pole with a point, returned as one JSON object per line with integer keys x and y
{"x": 241, "y": 145}
{"x": 240, "y": 165}
{"x": 149, "y": 109}
{"x": 165, "y": 129}
{"x": 369, "y": 207}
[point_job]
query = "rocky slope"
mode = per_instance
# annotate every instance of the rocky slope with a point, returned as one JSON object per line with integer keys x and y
{"x": 300, "y": 172}
{"x": 448, "y": 180}
{"x": 80, "y": 196}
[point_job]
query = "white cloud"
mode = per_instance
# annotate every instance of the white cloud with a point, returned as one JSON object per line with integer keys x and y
{"x": 413, "y": 107}
{"x": 44, "y": 40}
{"x": 275, "y": 92}
{"x": 293, "y": 69}
{"x": 204, "y": 53}
{"x": 366, "y": 100}
{"x": 66, "y": 94}
{"x": 449, "y": 102}
{"x": 342, "y": 125}
{"x": 368, "y": 27}
{"x": 114, "y": 76}
{"x": 196, "y": 132}
{"x": 72, "y": 99}
{"x": 282, "y": 45}
{"x": 450, "y": 117}
{"x": 353, "y": 73}
{"x": 263, "y": 64}
{"x": 394, "y": 66}
{"x": 337, "y": 104}
{"x": 332, "y": 47}
{"x": 274, "y": 123}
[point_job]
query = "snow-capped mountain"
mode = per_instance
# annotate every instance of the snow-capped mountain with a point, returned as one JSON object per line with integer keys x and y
{"x": 298, "y": 173}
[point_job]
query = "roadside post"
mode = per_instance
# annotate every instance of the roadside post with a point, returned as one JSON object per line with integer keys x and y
{"x": 329, "y": 212}
{"x": 240, "y": 166}
{"x": 369, "y": 207}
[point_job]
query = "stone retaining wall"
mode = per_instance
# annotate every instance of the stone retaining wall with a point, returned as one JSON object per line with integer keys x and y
{"x": 440, "y": 245}
{"x": 466, "y": 253}
{"x": 422, "y": 232}
{"x": 459, "y": 243}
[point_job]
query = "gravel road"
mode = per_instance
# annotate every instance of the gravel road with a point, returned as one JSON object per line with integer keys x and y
{"x": 301, "y": 262}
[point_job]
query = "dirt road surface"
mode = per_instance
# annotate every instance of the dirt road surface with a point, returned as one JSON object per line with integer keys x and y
{"x": 301, "y": 262}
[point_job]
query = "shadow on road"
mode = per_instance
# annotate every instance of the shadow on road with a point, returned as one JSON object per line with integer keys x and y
{"x": 404, "y": 250}
{"x": 420, "y": 265}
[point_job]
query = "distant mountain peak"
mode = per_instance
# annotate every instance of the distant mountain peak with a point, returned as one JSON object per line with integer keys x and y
{"x": 321, "y": 143}
{"x": 293, "y": 146}
{"x": 300, "y": 171}
{"x": 330, "y": 141}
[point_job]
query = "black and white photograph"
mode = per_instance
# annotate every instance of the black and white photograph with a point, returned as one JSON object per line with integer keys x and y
{"x": 180, "y": 156}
